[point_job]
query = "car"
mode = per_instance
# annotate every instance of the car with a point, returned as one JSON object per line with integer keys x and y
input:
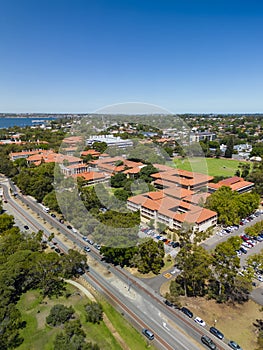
{"x": 61, "y": 221}
{"x": 245, "y": 237}
{"x": 53, "y": 215}
{"x": 148, "y": 334}
{"x": 85, "y": 238}
{"x": 243, "y": 250}
{"x": 187, "y": 312}
{"x": 216, "y": 332}
{"x": 246, "y": 245}
{"x": 238, "y": 252}
{"x": 164, "y": 240}
{"x": 175, "y": 244}
{"x": 69, "y": 227}
{"x": 90, "y": 241}
{"x": 26, "y": 227}
{"x": 234, "y": 345}
{"x": 5, "y": 201}
{"x": 97, "y": 246}
{"x": 259, "y": 238}
{"x": 168, "y": 303}
{"x": 87, "y": 249}
{"x": 259, "y": 278}
{"x": 208, "y": 342}
{"x": 57, "y": 250}
{"x": 74, "y": 230}
{"x": 200, "y": 321}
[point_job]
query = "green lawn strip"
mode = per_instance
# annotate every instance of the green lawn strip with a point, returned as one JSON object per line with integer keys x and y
{"x": 37, "y": 335}
{"x": 129, "y": 334}
{"x": 212, "y": 166}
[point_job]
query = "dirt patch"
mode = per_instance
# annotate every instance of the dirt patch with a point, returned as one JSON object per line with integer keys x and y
{"x": 165, "y": 288}
{"x": 235, "y": 321}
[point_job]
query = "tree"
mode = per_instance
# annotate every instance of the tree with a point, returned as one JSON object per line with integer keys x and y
{"x": 226, "y": 264}
{"x": 146, "y": 172}
{"x": 229, "y": 148}
{"x": 231, "y": 206}
{"x": 73, "y": 338}
{"x": 73, "y": 264}
{"x": 59, "y": 314}
{"x": 149, "y": 256}
{"x": 194, "y": 262}
{"x": 118, "y": 180}
{"x": 6, "y": 222}
{"x": 245, "y": 169}
{"x": 118, "y": 256}
{"x": 122, "y": 195}
{"x": 94, "y": 312}
{"x": 100, "y": 146}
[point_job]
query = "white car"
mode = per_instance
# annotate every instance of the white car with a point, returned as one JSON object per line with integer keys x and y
{"x": 259, "y": 278}
{"x": 200, "y": 321}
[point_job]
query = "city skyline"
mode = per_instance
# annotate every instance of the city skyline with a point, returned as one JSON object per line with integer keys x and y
{"x": 77, "y": 57}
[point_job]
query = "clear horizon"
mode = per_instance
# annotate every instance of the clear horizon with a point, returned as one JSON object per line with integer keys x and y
{"x": 196, "y": 57}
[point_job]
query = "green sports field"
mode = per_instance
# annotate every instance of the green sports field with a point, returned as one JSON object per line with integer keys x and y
{"x": 210, "y": 166}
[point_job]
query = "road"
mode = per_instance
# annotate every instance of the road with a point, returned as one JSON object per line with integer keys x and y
{"x": 139, "y": 303}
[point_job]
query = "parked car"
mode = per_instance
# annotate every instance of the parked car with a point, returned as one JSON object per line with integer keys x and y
{"x": 208, "y": 342}
{"x": 216, "y": 332}
{"x": 87, "y": 249}
{"x": 90, "y": 241}
{"x": 259, "y": 278}
{"x": 168, "y": 303}
{"x": 200, "y": 321}
{"x": 175, "y": 244}
{"x": 187, "y": 312}
{"x": 26, "y": 227}
{"x": 53, "y": 215}
{"x": 69, "y": 227}
{"x": 234, "y": 345}
{"x": 243, "y": 250}
{"x": 148, "y": 334}
{"x": 85, "y": 238}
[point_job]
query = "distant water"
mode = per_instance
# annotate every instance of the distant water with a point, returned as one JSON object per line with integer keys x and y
{"x": 21, "y": 122}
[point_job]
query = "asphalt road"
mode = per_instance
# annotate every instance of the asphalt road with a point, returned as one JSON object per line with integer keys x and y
{"x": 171, "y": 331}
{"x": 139, "y": 303}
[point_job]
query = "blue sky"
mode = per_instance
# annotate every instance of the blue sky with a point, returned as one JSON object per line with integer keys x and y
{"x": 80, "y": 55}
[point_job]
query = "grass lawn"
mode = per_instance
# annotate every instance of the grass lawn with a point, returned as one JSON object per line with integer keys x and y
{"x": 129, "y": 334}
{"x": 210, "y": 166}
{"x": 38, "y": 335}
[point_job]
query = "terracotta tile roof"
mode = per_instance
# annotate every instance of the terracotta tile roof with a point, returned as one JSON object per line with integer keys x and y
{"x": 231, "y": 180}
{"x": 162, "y": 167}
{"x": 135, "y": 170}
{"x": 150, "y": 204}
{"x": 77, "y": 166}
{"x": 177, "y": 192}
{"x": 195, "y": 198}
{"x": 235, "y": 183}
{"x": 155, "y": 195}
{"x": 92, "y": 175}
{"x": 25, "y": 153}
{"x": 92, "y": 152}
{"x": 239, "y": 185}
{"x": 73, "y": 139}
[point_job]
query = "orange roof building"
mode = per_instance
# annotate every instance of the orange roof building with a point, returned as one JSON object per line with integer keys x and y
{"x": 170, "y": 211}
{"x": 235, "y": 183}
